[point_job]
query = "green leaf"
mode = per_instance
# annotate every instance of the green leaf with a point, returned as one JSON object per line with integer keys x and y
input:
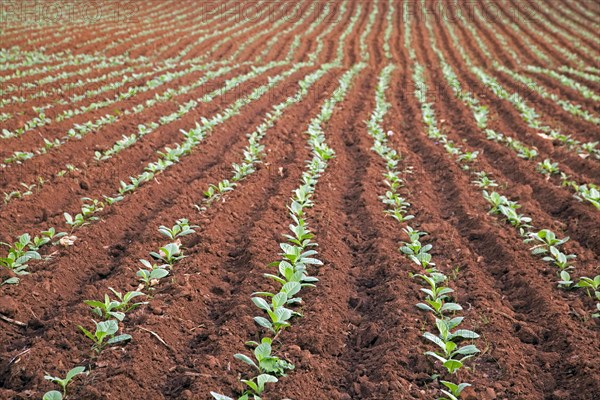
{"x": 261, "y": 303}
{"x": 109, "y": 327}
{"x": 53, "y": 395}
{"x": 468, "y": 350}
{"x": 279, "y": 300}
{"x": 453, "y": 365}
{"x": 265, "y": 378}
{"x": 87, "y": 333}
{"x": 75, "y": 371}
{"x": 246, "y": 359}
{"x": 451, "y": 307}
{"x": 251, "y": 384}
{"x": 117, "y": 339}
{"x": 94, "y": 303}
{"x": 262, "y": 351}
{"x": 159, "y": 273}
{"x": 435, "y": 340}
{"x": 265, "y": 323}
{"x": 465, "y": 333}
{"x": 11, "y": 281}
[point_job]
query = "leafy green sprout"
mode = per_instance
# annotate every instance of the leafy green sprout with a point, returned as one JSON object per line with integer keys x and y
{"x": 454, "y": 391}
{"x": 63, "y": 383}
{"x": 279, "y": 315}
{"x": 19, "y": 255}
{"x": 452, "y": 355}
{"x": 182, "y": 227}
{"x": 437, "y": 300}
{"x": 547, "y": 167}
{"x": 171, "y": 253}
{"x": 256, "y": 388}
{"x": 484, "y": 181}
{"x": 115, "y": 308}
{"x": 104, "y": 334}
{"x": 151, "y": 274}
{"x": 265, "y": 361}
{"x": 589, "y": 283}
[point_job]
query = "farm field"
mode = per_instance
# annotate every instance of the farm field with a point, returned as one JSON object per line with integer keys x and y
{"x": 332, "y": 200}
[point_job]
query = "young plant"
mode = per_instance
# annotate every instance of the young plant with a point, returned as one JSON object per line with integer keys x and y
{"x": 589, "y": 283}
{"x": 19, "y": 255}
{"x": 265, "y": 362}
{"x": 484, "y": 181}
{"x": 438, "y": 296}
{"x": 452, "y": 355}
{"x": 454, "y": 391}
{"x": 115, "y": 308}
{"x": 105, "y": 330}
{"x": 63, "y": 383}
{"x": 548, "y": 168}
{"x": 256, "y": 388}
{"x": 279, "y": 316}
{"x": 151, "y": 275}
{"x": 170, "y": 253}
{"x": 181, "y": 228}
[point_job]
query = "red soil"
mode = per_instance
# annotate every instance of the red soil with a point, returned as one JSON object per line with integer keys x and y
{"x": 360, "y": 337}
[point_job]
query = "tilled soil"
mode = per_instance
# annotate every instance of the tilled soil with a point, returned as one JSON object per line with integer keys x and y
{"x": 360, "y": 336}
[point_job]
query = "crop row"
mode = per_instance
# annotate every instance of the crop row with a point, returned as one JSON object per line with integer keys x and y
{"x": 500, "y": 204}
{"x": 143, "y": 130}
{"x": 298, "y": 254}
{"x": 587, "y": 192}
{"x": 528, "y": 113}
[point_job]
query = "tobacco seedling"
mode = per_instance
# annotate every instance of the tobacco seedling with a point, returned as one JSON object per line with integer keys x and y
{"x": 517, "y": 220}
{"x": 548, "y": 240}
{"x": 565, "y": 281}
{"x": 437, "y": 295}
{"x": 63, "y": 383}
{"x": 289, "y": 274}
{"x": 469, "y": 156}
{"x": 548, "y": 168}
{"x": 115, "y": 308}
{"x": 152, "y": 274}
{"x": 297, "y": 256}
{"x": 265, "y": 361}
{"x": 289, "y": 289}
{"x": 454, "y": 391}
{"x": 87, "y": 213}
{"x": 452, "y": 356}
{"x": 104, "y": 330}
{"x": 302, "y": 236}
{"x": 418, "y": 253}
{"x": 170, "y": 253}
{"x": 278, "y": 314}
{"x": 256, "y": 385}
{"x": 45, "y": 238}
{"x": 484, "y": 181}
{"x": 589, "y": 283}
{"x": 181, "y": 228}
{"x": 19, "y": 255}
{"x": 560, "y": 259}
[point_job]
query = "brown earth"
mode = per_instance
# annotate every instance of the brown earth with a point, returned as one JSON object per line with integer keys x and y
{"x": 361, "y": 335}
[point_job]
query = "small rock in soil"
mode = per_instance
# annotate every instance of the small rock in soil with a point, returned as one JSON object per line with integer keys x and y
{"x": 8, "y": 306}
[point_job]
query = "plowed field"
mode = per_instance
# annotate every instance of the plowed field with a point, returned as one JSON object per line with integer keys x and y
{"x": 403, "y": 145}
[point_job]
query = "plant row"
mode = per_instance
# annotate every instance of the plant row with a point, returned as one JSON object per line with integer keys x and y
{"x": 277, "y": 308}
{"x": 583, "y": 192}
{"x": 113, "y": 308}
{"x": 500, "y": 205}
{"x": 526, "y": 111}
